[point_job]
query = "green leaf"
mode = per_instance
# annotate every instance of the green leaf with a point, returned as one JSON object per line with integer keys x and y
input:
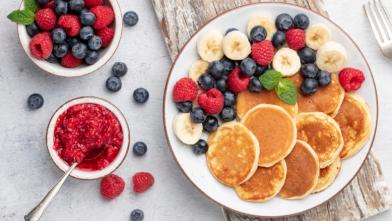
{"x": 286, "y": 91}
{"x": 270, "y": 79}
{"x": 31, "y": 5}
{"x": 24, "y": 17}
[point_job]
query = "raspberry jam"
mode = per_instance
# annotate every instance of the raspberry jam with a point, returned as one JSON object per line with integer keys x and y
{"x": 89, "y": 134}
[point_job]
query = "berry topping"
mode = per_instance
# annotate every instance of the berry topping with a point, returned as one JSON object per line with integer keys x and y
{"x": 278, "y": 39}
{"x": 309, "y": 70}
{"x": 258, "y": 33}
{"x": 206, "y": 82}
{"x": 237, "y": 81}
{"x": 210, "y": 124}
{"x": 35, "y": 101}
{"x": 69, "y": 61}
{"x": 309, "y": 86}
{"x": 351, "y": 79}
{"x": 248, "y": 67}
{"x": 70, "y": 23}
{"x": 184, "y": 107}
{"x": 104, "y": 16}
{"x": 255, "y": 85}
{"x": 263, "y": 52}
{"x": 301, "y": 21}
{"x": 201, "y": 147}
{"x": 284, "y": 22}
{"x": 112, "y": 186}
{"x": 295, "y": 38}
{"x": 307, "y": 55}
{"x": 106, "y": 34}
{"x": 197, "y": 115}
{"x": 130, "y": 18}
{"x": 216, "y": 69}
{"x": 211, "y": 101}
{"x": 227, "y": 114}
{"x": 45, "y": 19}
{"x": 323, "y": 78}
{"x": 140, "y": 95}
{"x": 229, "y": 98}
{"x": 93, "y": 3}
{"x": 142, "y": 181}
{"x": 185, "y": 90}
{"x": 139, "y": 148}
{"x": 221, "y": 85}
{"x": 41, "y": 45}
{"x": 113, "y": 84}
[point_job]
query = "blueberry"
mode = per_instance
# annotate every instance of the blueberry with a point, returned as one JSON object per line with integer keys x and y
{"x": 221, "y": 85}
{"x": 137, "y": 215}
{"x": 248, "y": 66}
{"x": 79, "y": 50}
{"x": 230, "y": 30}
{"x": 86, "y": 33}
{"x": 200, "y": 147}
{"x": 42, "y": 2}
{"x": 301, "y": 21}
{"x": 258, "y": 33}
{"x": 260, "y": 70}
{"x": 119, "y": 69}
{"x": 197, "y": 115}
{"x": 52, "y": 59}
{"x": 210, "y": 124}
{"x": 87, "y": 18}
{"x": 58, "y": 35}
{"x": 216, "y": 69}
{"x": 229, "y": 98}
{"x": 32, "y": 29}
{"x": 255, "y": 85}
{"x": 227, "y": 114}
{"x": 228, "y": 65}
{"x": 35, "y": 101}
{"x": 95, "y": 43}
{"x": 307, "y": 55}
{"x": 131, "y": 18}
{"x": 76, "y": 5}
{"x": 184, "y": 107}
{"x": 140, "y": 95}
{"x": 60, "y": 50}
{"x": 278, "y": 39}
{"x": 113, "y": 84}
{"x": 60, "y": 7}
{"x": 309, "y": 86}
{"x": 206, "y": 82}
{"x": 309, "y": 70}
{"x": 323, "y": 78}
{"x": 284, "y": 22}
{"x": 139, "y": 148}
{"x": 71, "y": 42}
{"x": 91, "y": 57}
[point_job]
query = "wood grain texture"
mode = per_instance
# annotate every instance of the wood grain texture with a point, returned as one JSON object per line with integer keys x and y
{"x": 365, "y": 196}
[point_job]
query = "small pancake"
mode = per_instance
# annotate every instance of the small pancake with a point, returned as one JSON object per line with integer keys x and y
{"x": 275, "y": 131}
{"x": 232, "y": 154}
{"x": 327, "y": 99}
{"x": 322, "y": 133}
{"x": 327, "y": 176}
{"x": 264, "y": 184}
{"x": 247, "y": 100}
{"x": 354, "y": 121}
{"x": 302, "y": 172}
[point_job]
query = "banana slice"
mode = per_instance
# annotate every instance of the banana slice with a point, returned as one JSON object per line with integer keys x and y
{"x": 317, "y": 35}
{"x": 236, "y": 45}
{"x": 266, "y": 22}
{"x": 331, "y": 57}
{"x": 286, "y": 61}
{"x": 185, "y": 130}
{"x": 198, "y": 68}
{"x": 209, "y": 46}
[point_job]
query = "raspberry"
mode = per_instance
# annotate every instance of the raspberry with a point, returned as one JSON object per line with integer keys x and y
{"x": 104, "y": 16}
{"x": 41, "y": 45}
{"x": 50, "y": 4}
{"x": 69, "y": 61}
{"x": 142, "y": 181}
{"x": 263, "y": 52}
{"x": 92, "y": 3}
{"x": 70, "y": 23}
{"x": 46, "y": 19}
{"x": 351, "y": 79}
{"x": 112, "y": 186}
{"x": 185, "y": 90}
{"x": 237, "y": 81}
{"x": 211, "y": 101}
{"x": 295, "y": 38}
{"x": 106, "y": 34}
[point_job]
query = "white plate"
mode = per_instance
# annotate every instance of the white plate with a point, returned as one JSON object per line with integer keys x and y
{"x": 195, "y": 168}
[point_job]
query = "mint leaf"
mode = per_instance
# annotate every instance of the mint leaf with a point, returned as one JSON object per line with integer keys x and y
{"x": 270, "y": 79}
{"x": 286, "y": 91}
{"x": 31, "y": 5}
{"x": 24, "y": 17}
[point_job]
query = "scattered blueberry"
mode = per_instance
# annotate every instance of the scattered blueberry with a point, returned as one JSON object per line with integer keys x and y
{"x": 91, "y": 57}
{"x": 248, "y": 66}
{"x": 206, "y": 81}
{"x": 35, "y": 101}
{"x": 79, "y": 50}
{"x": 230, "y": 30}
{"x": 76, "y": 5}
{"x": 60, "y": 50}
{"x": 309, "y": 70}
{"x": 140, "y": 95}
{"x": 86, "y": 33}
{"x": 309, "y": 86}
{"x": 255, "y": 85}
{"x": 227, "y": 114}
{"x": 228, "y": 65}
{"x": 221, "y": 85}
{"x": 137, "y": 215}
{"x": 210, "y": 124}
{"x": 201, "y": 147}
{"x": 184, "y": 107}
{"x": 60, "y": 7}
{"x": 197, "y": 115}
{"x": 32, "y": 29}
{"x": 119, "y": 69}
{"x": 87, "y": 18}
{"x": 113, "y": 84}
{"x": 95, "y": 43}
{"x": 42, "y": 2}
{"x": 71, "y": 41}
{"x": 229, "y": 98}
{"x": 284, "y": 22}
{"x": 323, "y": 78}
{"x": 58, "y": 35}
{"x": 260, "y": 70}
{"x": 258, "y": 33}
{"x": 307, "y": 55}
{"x": 52, "y": 59}
{"x": 216, "y": 69}
{"x": 130, "y": 18}
{"x": 278, "y": 39}
{"x": 139, "y": 148}
{"x": 301, "y": 21}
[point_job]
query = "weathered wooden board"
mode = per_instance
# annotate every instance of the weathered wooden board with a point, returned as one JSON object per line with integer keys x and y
{"x": 366, "y": 195}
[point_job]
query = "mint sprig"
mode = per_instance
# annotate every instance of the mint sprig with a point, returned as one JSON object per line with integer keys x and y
{"x": 284, "y": 87}
{"x": 25, "y": 16}
{"x": 270, "y": 79}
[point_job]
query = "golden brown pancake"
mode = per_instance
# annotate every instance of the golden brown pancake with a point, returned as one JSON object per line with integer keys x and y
{"x": 275, "y": 131}
{"x": 354, "y": 121}
{"x": 322, "y": 133}
{"x": 327, "y": 99}
{"x": 247, "y": 100}
{"x": 264, "y": 184}
{"x": 327, "y": 176}
{"x": 302, "y": 172}
{"x": 232, "y": 154}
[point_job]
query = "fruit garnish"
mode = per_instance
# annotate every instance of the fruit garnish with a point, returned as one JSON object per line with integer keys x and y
{"x": 25, "y": 16}
{"x": 142, "y": 181}
{"x": 112, "y": 186}
{"x": 351, "y": 79}
{"x": 284, "y": 87}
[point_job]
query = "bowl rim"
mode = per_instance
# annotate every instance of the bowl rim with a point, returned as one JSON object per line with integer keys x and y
{"x": 114, "y": 45}
{"x": 270, "y": 3}
{"x": 125, "y": 128}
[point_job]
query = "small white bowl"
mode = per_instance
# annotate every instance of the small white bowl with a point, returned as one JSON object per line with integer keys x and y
{"x": 81, "y": 174}
{"x": 105, "y": 54}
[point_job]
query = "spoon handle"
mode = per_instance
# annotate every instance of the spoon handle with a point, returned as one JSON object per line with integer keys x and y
{"x": 36, "y": 213}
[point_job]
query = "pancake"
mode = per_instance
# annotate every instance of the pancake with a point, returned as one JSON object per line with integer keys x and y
{"x": 322, "y": 133}
{"x": 354, "y": 121}
{"x": 233, "y": 154}
{"x": 264, "y": 184}
{"x": 302, "y": 172}
{"x": 327, "y": 99}
{"x": 327, "y": 176}
{"x": 247, "y": 100}
{"x": 275, "y": 131}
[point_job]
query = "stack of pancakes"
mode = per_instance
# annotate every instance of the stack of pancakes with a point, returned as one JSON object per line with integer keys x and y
{"x": 288, "y": 150}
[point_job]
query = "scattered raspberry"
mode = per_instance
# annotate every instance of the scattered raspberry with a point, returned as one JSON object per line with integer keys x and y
{"x": 41, "y": 45}
{"x": 112, "y": 186}
{"x": 263, "y": 52}
{"x": 142, "y": 181}
{"x": 104, "y": 16}
{"x": 211, "y": 101}
{"x": 92, "y": 3}
{"x": 46, "y": 19}
{"x": 237, "y": 81}
{"x": 70, "y": 23}
{"x": 185, "y": 90}
{"x": 69, "y": 61}
{"x": 351, "y": 79}
{"x": 295, "y": 38}
{"x": 106, "y": 34}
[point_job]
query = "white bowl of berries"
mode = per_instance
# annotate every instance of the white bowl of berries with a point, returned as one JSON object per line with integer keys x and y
{"x": 69, "y": 38}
